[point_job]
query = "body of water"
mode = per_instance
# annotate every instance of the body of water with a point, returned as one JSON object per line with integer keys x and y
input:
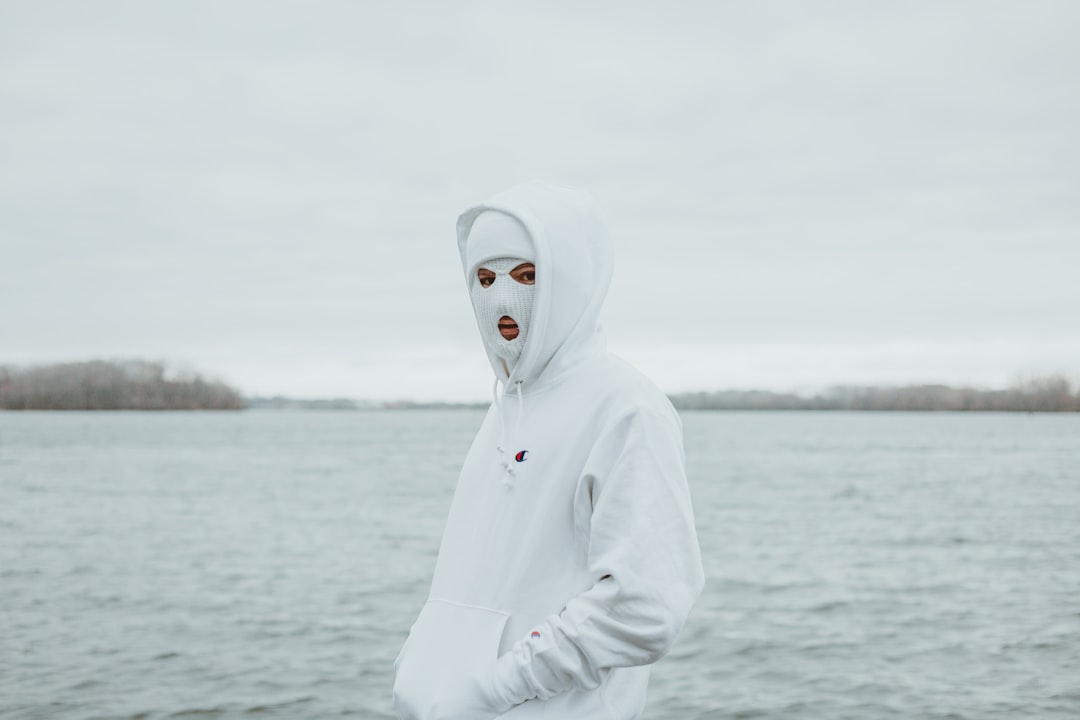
{"x": 269, "y": 564}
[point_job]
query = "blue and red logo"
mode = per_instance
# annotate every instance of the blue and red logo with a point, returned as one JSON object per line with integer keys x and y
{"x": 535, "y": 634}
{"x": 522, "y": 455}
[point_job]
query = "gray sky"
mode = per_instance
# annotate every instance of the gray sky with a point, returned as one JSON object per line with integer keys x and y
{"x": 801, "y": 193}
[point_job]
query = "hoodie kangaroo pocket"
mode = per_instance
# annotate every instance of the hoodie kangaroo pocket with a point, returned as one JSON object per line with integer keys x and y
{"x": 446, "y": 667}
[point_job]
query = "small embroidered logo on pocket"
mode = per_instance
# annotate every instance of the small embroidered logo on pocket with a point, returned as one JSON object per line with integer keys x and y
{"x": 535, "y": 634}
{"x": 522, "y": 454}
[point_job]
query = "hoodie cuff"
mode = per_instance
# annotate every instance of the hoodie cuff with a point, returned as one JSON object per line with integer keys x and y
{"x": 511, "y": 686}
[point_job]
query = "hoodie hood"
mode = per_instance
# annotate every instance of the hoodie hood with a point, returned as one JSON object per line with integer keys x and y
{"x": 573, "y": 258}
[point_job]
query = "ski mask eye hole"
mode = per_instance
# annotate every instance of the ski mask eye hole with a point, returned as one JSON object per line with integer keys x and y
{"x": 525, "y": 273}
{"x": 485, "y": 276}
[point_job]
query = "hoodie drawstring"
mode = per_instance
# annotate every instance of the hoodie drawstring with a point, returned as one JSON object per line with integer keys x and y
{"x": 504, "y": 459}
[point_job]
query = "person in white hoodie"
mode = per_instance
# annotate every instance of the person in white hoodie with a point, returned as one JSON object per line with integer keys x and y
{"x": 569, "y": 561}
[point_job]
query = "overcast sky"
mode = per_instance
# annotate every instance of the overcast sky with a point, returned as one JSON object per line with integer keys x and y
{"x": 801, "y": 193}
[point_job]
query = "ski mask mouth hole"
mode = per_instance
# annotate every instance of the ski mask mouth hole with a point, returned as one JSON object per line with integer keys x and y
{"x": 508, "y": 328}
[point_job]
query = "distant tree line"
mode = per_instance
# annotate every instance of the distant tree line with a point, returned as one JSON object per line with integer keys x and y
{"x": 111, "y": 385}
{"x": 1054, "y": 393}
{"x": 142, "y": 385}
{"x": 280, "y": 402}
{"x": 414, "y": 405}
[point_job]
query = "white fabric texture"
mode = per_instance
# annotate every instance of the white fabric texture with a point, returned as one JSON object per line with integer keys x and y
{"x": 503, "y": 297}
{"x": 553, "y": 595}
{"x": 497, "y": 234}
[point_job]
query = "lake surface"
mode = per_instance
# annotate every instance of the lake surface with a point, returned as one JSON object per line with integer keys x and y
{"x": 269, "y": 564}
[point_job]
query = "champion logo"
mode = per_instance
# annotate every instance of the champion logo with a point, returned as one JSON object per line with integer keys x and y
{"x": 522, "y": 455}
{"x": 535, "y": 634}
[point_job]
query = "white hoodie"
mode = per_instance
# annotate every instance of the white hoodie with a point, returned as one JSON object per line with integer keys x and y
{"x": 569, "y": 561}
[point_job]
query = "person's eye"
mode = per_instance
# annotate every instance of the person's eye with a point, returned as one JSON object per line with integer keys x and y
{"x": 486, "y": 281}
{"x": 525, "y": 273}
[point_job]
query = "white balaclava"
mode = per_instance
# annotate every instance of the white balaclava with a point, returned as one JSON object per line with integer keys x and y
{"x": 499, "y": 242}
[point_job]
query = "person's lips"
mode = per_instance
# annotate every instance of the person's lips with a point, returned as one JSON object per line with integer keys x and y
{"x": 507, "y": 327}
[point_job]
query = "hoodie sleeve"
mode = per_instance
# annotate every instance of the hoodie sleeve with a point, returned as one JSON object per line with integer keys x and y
{"x": 642, "y": 550}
